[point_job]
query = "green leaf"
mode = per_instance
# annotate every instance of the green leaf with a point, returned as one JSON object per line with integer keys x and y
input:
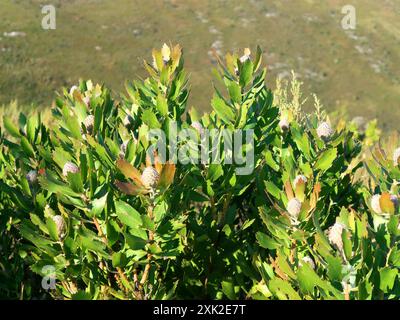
{"x": 222, "y": 110}
{"x": 51, "y": 226}
{"x": 118, "y": 259}
{"x": 266, "y": 242}
{"x": 246, "y": 73}
{"x": 162, "y": 105}
{"x": 387, "y": 278}
{"x": 325, "y": 161}
{"x": 214, "y": 172}
{"x": 128, "y": 215}
{"x": 235, "y": 92}
{"x": 229, "y": 290}
{"x": 149, "y": 118}
{"x": 10, "y": 127}
{"x": 26, "y": 146}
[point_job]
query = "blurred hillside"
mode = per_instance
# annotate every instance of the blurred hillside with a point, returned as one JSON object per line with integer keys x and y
{"x": 105, "y": 40}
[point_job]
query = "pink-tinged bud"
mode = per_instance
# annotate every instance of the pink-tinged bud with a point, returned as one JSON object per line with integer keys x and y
{"x": 61, "y": 226}
{"x": 375, "y": 205}
{"x": 335, "y": 235}
{"x": 32, "y": 177}
{"x": 284, "y": 124}
{"x": 70, "y": 167}
{"x": 86, "y": 100}
{"x": 150, "y": 178}
{"x": 89, "y": 124}
{"x": 396, "y": 157}
{"x": 72, "y": 90}
{"x": 198, "y": 127}
{"x": 324, "y": 131}
{"x": 294, "y": 208}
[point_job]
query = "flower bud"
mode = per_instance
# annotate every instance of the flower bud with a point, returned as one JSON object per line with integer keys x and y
{"x": 375, "y": 205}
{"x": 150, "y": 178}
{"x": 122, "y": 149}
{"x": 294, "y": 207}
{"x": 284, "y": 124}
{"x": 246, "y": 55}
{"x": 396, "y": 157}
{"x": 128, "y": 121}
{"x": 70, "y": 167}
{"x": 31, "y": 177}
{"x": 300, "y": 179}
{"x": 89, "y": 124}
{"x": 61, "y": 226}
{"x": 86, "y": 100}
{"x": 309, "y": 261}
{"x": 324, "y": 131}
{"x": 72, "y": 90}
{"x": 198, "y": 127}
{"x": 335, "y": 235}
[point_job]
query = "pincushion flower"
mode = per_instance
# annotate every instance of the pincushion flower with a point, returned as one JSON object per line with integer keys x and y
{"x": 324, "y": 131}
{"x": 294, "y": 208}
{"x": 150, "y": 180}
{"x": 335, "y": 235}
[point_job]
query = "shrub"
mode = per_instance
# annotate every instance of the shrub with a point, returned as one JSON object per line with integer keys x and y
{"x": 86, "y": 199}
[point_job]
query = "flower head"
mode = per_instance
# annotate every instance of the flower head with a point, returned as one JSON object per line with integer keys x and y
{"x": 309, "y": 261}
{"x": 72, "y": 90}
{"x": 89, "y": 123}
{"x": 61, "y": 226}
{"x": 70, "y": 167}
{"x": 150, "y": 178}
{"x": 245, "y": 56}
{"x": 335, "y": 235}
{"x": 198, "y": 127}
{"x": 384, "y": 203}
{"x": 128, "y": 121}
{"x": 375, "y": 205}
{"x": 31, "y": 176}
{"x": 324, "y": 131}
{"x": 300, "y": 179}
{"x": 284, "y": 124}
{"x": 294, "y": 208}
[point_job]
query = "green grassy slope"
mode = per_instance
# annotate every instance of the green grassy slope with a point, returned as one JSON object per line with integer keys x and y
{"x": 103, "y": 40}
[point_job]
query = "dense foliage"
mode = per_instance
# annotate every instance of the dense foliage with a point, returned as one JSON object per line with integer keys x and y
{"x": 83, "y": 197}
